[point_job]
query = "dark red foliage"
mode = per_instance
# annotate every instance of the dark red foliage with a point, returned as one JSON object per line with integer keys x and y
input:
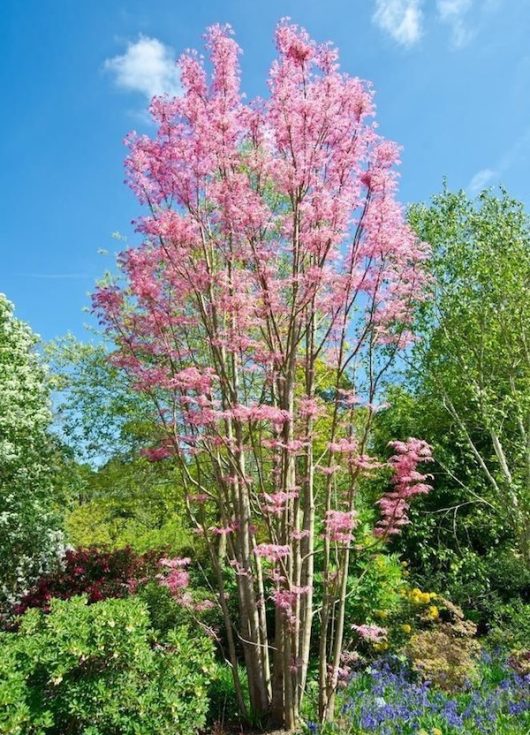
{"x": 94, "y": 573}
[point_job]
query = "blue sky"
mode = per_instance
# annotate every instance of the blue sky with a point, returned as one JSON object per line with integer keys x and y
{"x": 452, "y": 82}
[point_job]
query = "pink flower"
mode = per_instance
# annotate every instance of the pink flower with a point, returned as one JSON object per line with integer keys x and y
{"x": 275, "y": 503}
{"x": 176, "y": 563}
{"x": 177, "y": 578}
{"x": 155, "y": 454}
{"x": 222, "y": 530}
{"x": 308, "y": 407}
{"x": 298, "y": 535}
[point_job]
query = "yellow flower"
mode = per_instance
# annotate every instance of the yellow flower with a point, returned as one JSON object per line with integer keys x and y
{"x": 417, "y": 597}
{"x": 381, "y": 646}
{"x": 406, "y": 628}
{"x": 433, "y": 612}
{"x": 436, "y": 731}
{"x": 381, "y": 614}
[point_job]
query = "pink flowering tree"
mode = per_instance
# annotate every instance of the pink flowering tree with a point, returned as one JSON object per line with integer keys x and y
{"x": 271, "y": 294}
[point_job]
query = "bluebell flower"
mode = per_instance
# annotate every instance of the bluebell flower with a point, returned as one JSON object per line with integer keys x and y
{"x": 388, "y": 699}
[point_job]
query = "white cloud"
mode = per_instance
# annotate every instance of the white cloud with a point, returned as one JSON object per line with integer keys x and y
{"x": 518, "y": 154}
{"x": 402, "y": 19}
{"x": 147, "y": 66}
{"x": 452, "y": 8}
{"x": 453, "y": 13}
{"x": 481, "y": 180}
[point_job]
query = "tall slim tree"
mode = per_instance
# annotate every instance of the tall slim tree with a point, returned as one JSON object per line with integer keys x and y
{"x": 273, "y": 246}
{"x": 473, "y": 361}
{"x": 30, "y": 535}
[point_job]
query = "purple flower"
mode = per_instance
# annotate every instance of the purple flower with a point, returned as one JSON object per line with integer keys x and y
{"x": 387, "y": 699}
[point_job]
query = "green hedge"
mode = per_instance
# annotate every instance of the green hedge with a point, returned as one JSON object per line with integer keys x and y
{"x": 98, "y": 670}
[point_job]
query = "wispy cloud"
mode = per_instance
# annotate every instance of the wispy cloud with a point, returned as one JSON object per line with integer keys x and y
{"x": 518, "y": 151}
{"x": 481, "y": 180}
{"x": 454, "y": 12}
{"x": 147, "y": 66}
{"x": 401, "y": 19}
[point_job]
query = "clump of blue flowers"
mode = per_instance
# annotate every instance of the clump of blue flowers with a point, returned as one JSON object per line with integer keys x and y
{"x": 388, "y": 699}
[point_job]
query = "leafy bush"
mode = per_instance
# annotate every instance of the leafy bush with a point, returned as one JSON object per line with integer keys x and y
{"x": 223, "y": 706}
{"x": 165, "y": 613}
{"x": 94, "y": 573}
{"x": 115, "y": 522}
{"x": 375, "y": 590}
{"x": 98, "y": 670}
{"x": 447, "y": 654}
{"x": 510, "y": 627}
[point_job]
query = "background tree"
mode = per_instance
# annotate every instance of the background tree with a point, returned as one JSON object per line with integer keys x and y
{"x": 469, "y": 396}
{"x": 95, "y": 411}
{"x": 120, "y": 498}
{"x": 30, "y": 522}
{"x": 273, "y": 245}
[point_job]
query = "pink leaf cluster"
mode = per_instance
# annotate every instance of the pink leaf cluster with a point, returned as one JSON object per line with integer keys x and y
{"x": 287, "y": 599}
{"x": 340, "y": 525}
{"x": 372, "y": 633}
{"x": 407, "y": 482}
{"x": 272, "y": 552}
{"x": 175, "y": 576}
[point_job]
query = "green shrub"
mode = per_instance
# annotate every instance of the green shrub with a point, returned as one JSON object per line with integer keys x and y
{"x": 98, "y": 670}
{"x": 375, "y": 592}
{"x": 510, "y": 627}
{"x": 114, "y": 523}
{"x": 223, "y": 706}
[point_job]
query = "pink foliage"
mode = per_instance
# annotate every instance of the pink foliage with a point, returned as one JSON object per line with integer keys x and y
{"x": 272, "y": 552}
{"x": 276, "y": 281}
{"x": 175, "y": 576}
{"x": 340, "y": 525}
{"x": 371, "y": 633}
{"x": 407, "y": 482}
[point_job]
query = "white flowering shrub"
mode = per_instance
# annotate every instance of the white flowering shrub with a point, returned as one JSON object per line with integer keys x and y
{"x": 30, "y": 536}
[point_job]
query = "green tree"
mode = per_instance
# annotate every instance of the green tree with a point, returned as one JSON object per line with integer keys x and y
{"x": 468, "y": 394}
{"x": 30, "y": 535}
{"x": 474, "y": 358}
{"x": 130, "y": 501}
{"x": 97, "y": 413}
{"x": 122, "y": 498}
